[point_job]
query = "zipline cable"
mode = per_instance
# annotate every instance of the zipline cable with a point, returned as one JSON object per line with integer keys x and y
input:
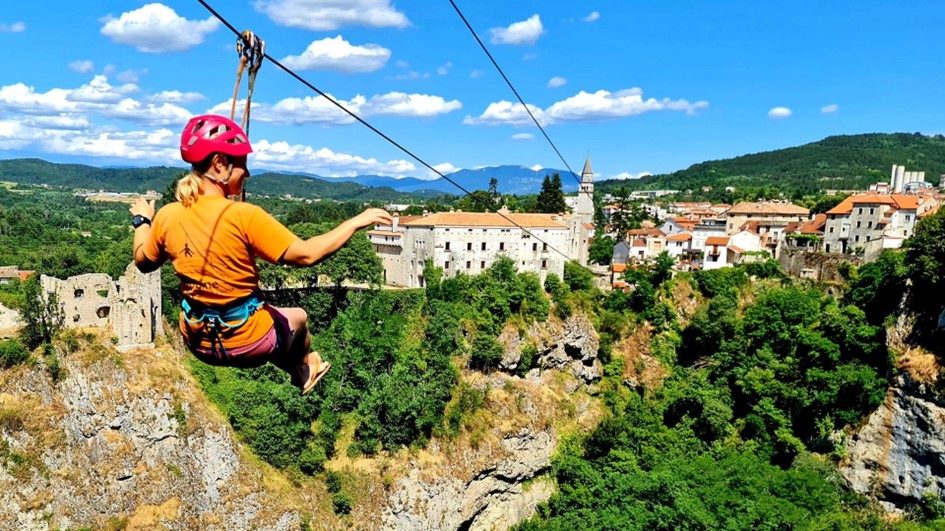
{"x": 509, "y": 83}
{"x": 384, "y": 136}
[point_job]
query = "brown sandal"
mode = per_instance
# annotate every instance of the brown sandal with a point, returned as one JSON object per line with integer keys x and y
{"x": 314, "y": 376}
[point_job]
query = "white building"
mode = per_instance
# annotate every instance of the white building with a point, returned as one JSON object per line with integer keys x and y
{"x": 469, "y": 242}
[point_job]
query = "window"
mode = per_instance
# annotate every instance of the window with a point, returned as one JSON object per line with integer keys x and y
{"x": 447, "y": 246}
{"x": 857, "y": 238}
{"x": 468, "y": 264}
{"x": 859, "y": 211}
{"x": 869, "y": 224}
{"x": 544, "y": 247}
{"x": 483, "y": 246}
{"x": 871, "y": 211}
{"x": 908, "y": 217}
{"x": 501, "y": 246}
{"x": 857, "y": 224}
{"x": 831, "y": 230}
{"x": 482, "y": 265}
{"x": 544, "y": 264}
{"x": 446, "y": 264}
{"x": 469, "y": 246}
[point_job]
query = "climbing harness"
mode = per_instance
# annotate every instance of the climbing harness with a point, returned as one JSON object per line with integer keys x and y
{"x": 251, "y": 50}
{"x": 229, "y": 317}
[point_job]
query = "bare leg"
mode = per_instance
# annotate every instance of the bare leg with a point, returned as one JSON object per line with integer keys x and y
{"x": 298, "y": 363}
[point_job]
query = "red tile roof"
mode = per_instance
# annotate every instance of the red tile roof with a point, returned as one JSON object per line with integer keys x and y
{"x": 716, "y": 240}
{"x": 487, "y": 219}
{"x": 681, "y": 237}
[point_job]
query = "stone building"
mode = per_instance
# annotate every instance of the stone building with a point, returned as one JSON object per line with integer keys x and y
{"x": 130, "y": 307}
{"x": 469, "y": 242}
{"x": 869, "y": 223}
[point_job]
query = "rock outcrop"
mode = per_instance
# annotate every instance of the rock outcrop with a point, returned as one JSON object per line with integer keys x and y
{"x": 124, "y": 441}
{"x": 899, "y": 454}
{"x": 569, "y": 346}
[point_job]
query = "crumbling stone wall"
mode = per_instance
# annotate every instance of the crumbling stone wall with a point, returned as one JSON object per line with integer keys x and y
{"x": 800, "y": 262}
{"x": 131, "y": 307}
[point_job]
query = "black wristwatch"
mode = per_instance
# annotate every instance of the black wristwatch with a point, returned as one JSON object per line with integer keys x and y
{"x": 139, "y": 220}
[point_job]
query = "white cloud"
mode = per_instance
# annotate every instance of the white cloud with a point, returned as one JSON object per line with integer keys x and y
{"x": 625, "y": 175}
{"x": 412, "y": 75}
{"x": 557, "y": 81}
{"x": 445, "y": 169}
{"x": 507, "y": 113}
{"x": 130, "y": 76}
{"x": 530, "y": 57}
{"x": 100, "y": 91}
{"x": 82, "y": 67}
{"x": 156, "y": 28}
{"x": 176, "y": 96}
{"x": 583, "y": 107}
{"x": 476, "y": 74}
{"x": 323, "y": 161}
{"x": 148, "y": 146}
{"x": 316, "y": 109}
{"x": 522, "y": 136}
{"x": 594, "y": 15}
{"x": 62, "y": 121}
{"x": 16, "y": 27}
{"x": 402, "y": 64}
{"x": 779, "y": 112}
{"x": 70, "y": 106}
{"x": 163, "y": 115}
{"x": 525, "y": 32}
{"x": 298, "y": 111}
{"x": 329, "y": 15}
{"x": 338, "y": 55}
{"x": 414, "y": 105}
{"x": 537, "y": 167}
{"x": 827, "y": 109}
{"x": 445, "y": 69}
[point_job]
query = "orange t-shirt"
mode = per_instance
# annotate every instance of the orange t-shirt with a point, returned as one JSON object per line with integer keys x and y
{"x": 213, "y": 245}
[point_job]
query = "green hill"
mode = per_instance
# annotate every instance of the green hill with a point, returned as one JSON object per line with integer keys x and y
{"x": 834, "y": 163}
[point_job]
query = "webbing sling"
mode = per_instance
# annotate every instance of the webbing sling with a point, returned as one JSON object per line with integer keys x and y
{"x": 251, "y": 50}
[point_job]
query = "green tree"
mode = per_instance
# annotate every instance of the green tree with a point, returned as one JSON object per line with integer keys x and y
{"x": 42, "y": 316}
{"x": 551, "y": 198}
{"x": 601, "y": 250}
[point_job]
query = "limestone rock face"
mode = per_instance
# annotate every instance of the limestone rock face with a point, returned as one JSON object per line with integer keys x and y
{"x": 899, "y": 455}
{"x": 117, "y": 438}
{"x": 483, "y": 496}
{"x": 570, "y": 346}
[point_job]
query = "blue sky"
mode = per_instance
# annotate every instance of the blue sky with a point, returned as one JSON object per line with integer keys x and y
{"x": 643, "y": 87}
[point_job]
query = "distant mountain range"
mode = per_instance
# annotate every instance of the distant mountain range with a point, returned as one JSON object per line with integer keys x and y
{"x": 517, "y": 180}
{"x": 511, "y": 180}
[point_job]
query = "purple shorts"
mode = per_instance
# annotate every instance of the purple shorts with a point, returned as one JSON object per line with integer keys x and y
{"x": 272, "y": 346}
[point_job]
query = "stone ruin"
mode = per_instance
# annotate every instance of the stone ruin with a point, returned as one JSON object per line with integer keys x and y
{"x": 130, "y": 307}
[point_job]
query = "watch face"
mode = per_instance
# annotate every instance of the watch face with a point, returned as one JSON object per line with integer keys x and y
{"x": 139, "y": 220}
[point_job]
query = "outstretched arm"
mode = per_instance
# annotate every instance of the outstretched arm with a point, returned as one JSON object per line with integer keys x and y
{"x": 143, "y": 234}
{"x": 317, "y": 248}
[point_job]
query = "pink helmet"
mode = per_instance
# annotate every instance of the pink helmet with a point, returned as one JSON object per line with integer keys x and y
{"x": 208, "y": 134}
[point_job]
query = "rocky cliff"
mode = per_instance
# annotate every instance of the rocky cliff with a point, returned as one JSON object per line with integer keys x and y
{"x": 94, "y": 437}
{"x": 898, "y": 455}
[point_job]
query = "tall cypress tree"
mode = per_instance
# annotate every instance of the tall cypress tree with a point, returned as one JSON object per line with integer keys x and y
{"x": 551, "y": 198}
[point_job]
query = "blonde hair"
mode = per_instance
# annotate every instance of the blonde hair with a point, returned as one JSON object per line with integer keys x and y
{"x": 188, "y": 188}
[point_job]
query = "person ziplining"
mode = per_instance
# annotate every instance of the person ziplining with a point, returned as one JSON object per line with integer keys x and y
{"x": 213, "y": 239}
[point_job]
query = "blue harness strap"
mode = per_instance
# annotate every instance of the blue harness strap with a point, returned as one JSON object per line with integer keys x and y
{"x": 231, "y": 316}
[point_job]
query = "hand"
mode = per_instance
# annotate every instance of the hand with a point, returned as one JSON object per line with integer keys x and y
{"x": 372, "y": 216}
{"x": 143, "y": 207}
